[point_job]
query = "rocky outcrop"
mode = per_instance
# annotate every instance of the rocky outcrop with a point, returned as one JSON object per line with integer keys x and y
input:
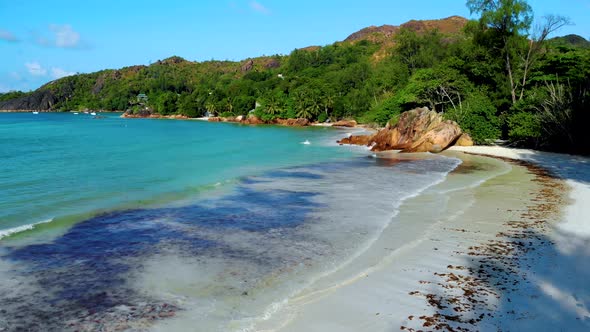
{"x": 254, "y": 120}
{"x": 247, "y": 66}
{"x": 418, "y": 130}
{"x": 299, "y": 122}
{"x": 171, "y": 60}
{"x": 385, "y": 33}
{"x": 272, "y": 63}
{"x": 174, "y": 116}
{"x": 98, "y": 85}
{"x": 345, "y": 123}
{"x": 464, "y": 140}
{"x": 147, "y": 114}
{"x": 42, "y": 99}
{"x": 437, "y": 139}
{"x": 357, "y": 140}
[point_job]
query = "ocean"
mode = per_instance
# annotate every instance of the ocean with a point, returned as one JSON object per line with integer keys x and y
{"x": 170, "y": 225}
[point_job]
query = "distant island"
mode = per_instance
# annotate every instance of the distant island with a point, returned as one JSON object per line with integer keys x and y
{"x": 497, "y": 81}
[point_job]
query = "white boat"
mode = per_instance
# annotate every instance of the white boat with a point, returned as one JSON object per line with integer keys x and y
{"x": 35, "y": 112}
{"x": 75, "y": 113}
{"x": 306, "y": 142}
{"x": 85, "y": 112}
{"x": 93, "y": 113}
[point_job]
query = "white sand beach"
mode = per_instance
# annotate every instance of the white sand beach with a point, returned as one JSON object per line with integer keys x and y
{"x": 497, "y": 246}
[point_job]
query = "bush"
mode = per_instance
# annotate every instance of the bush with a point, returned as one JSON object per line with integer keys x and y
{"x": 191, "y": 113}
{"x": 477, "y": 117}
{"x": 524, "y": 127}
{"x": 261, "y": 114}
{"x": 226, "y": 114}
{"x": 382, "y": 112}
{"x": 288, "y": 113}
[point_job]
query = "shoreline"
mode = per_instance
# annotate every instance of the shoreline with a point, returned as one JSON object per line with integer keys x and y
{"x": 488, "y": 265}
{"x": 573, "y": 169}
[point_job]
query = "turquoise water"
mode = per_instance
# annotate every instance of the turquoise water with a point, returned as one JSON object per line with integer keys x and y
{"x": 165, "y": 225}
{"x": 54, "y": 165}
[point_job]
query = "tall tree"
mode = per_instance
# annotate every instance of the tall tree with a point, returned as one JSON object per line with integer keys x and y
{"x": 510, "y": 21}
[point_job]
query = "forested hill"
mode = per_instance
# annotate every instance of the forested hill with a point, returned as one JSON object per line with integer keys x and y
{"x": 118, "y": 89}
{"x": 495, "y": 80}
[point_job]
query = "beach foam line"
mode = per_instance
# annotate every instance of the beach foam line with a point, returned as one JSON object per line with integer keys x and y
{"x": 19, "y": 229}
{"x": 298, "y": 296}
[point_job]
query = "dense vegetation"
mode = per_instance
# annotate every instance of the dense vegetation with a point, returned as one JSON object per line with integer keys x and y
{"x": 497, "y": 77}
{"x": 11, "y": 95}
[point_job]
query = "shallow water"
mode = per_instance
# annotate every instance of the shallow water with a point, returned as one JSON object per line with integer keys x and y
{"x": 54, "y": 165}
{"x": 161, "y": 256}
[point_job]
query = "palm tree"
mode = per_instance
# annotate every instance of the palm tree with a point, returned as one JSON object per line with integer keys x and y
{"x": 309, "y": 107}
{"x": 210, "y": 108}
{"x": 315, "y": 106}
{"x": 328, "y": 102}
{"x": 273, "y": 105}
{"x": 230, "y": 105}
{"x": 304, "y": 113}
{"x": 301, "y": 108}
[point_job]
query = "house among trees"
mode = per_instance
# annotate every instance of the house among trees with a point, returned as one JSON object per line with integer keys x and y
{"x": 142, "y": 98}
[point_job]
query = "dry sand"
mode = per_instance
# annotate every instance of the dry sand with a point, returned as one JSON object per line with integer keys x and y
{"x": 498, "y": 246}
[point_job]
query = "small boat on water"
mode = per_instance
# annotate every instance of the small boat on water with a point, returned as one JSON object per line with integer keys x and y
{"x": 306, "y": 142}
{"x": 93, "y": 113}
{"x": 35, "y": 112}
{"x": 75, "y": 113}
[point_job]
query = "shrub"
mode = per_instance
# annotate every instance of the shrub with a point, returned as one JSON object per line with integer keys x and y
{"x": 382, "y": 112}
{"x": 323, "y": 117}
{"x": 524, "y": 127}
{"x": 226, "y": 114}
{"x": 477, "y": 116}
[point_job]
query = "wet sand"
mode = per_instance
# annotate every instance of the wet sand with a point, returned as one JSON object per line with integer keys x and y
{"x": 488, "y": 249}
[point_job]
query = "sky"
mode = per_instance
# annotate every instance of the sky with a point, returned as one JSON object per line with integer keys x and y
{"x": 43, "y": 40}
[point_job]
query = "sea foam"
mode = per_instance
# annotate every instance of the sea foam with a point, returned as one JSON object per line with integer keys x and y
{"x": 19, "y": 229}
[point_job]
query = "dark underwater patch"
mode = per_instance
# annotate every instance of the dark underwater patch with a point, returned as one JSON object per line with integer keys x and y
{"x": 83, "y": 276}
{"x": 295, "y": 174}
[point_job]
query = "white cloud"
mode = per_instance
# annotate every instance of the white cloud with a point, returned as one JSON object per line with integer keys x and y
{"x": 7, "y": 35}
{"x": 257, "y": 6}
{"x": 65, "y": 36}
{"x": 57, "y": 72}
{"x": 35, "y": 69}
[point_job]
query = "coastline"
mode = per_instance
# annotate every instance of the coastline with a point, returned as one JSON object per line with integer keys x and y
{"x": 503, "y": 253}
{"x": 344, "y": 124}
{"x": 573, "y": 169}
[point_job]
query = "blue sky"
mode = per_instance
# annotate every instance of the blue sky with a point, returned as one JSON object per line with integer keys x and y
{"x": 44, "y": 40}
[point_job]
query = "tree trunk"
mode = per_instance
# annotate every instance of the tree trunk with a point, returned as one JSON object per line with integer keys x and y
{"x": 510, "y": 78}
{"x": 527, "y": 65}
